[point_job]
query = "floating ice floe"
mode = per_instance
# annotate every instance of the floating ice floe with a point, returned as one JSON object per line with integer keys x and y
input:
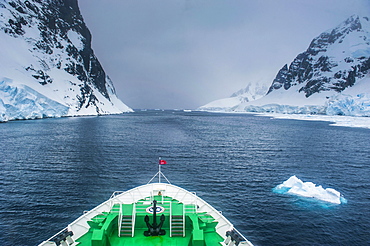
{"x": 295, "y": 186}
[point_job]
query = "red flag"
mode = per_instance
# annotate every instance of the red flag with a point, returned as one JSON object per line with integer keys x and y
{"x": 162, "y": 162}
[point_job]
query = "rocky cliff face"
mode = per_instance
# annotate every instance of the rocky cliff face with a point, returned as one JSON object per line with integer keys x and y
{"x": 334, "y": 61}
{"x": 46, "y": 46}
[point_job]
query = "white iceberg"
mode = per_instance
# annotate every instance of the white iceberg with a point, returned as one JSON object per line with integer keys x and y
{"x": 295, "y": 186}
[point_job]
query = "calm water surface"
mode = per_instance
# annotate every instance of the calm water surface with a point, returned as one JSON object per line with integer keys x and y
{"x": 54, "y": 169}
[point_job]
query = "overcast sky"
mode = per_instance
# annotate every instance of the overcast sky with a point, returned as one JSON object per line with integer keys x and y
{"x": 185, "y": 53}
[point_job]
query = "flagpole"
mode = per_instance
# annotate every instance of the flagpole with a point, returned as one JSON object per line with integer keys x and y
{"x": 159, "y": 172}
{"x": 159, "y": 169}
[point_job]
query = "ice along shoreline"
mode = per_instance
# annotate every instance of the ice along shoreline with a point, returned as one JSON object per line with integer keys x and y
{"x": 336, "y": 120}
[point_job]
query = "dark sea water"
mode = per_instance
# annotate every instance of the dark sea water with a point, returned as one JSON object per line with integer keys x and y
{"x": 54, "y": 169}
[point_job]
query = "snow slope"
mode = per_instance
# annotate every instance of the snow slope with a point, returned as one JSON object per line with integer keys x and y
{"x": 252, "y": 92}
{"x": 48, "y": 68}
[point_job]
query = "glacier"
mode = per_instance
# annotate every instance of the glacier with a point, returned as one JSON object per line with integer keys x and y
{"x": 22, "y": 102}
{"x": 337, "y": 104}
{"x": 358, "y": 105}
{"x": 295, "y": 186}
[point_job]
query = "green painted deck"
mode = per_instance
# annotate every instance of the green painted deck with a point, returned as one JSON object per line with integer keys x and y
{"x": 199, "y": 227}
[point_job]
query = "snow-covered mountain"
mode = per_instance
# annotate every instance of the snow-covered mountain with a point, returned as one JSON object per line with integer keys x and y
{"x": 252, "y": 92}
{"x": 47, "y": 65}
{"x": 331, "y": 77}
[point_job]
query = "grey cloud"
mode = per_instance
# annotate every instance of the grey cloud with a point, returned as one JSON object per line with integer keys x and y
{"x": 185, "y": 53}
